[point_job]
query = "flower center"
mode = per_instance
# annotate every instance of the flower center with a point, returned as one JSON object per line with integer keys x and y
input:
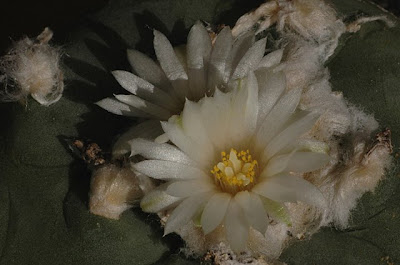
{"x": 236, "y": 171}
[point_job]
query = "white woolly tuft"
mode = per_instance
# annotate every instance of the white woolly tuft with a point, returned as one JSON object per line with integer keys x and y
{"x": 32, "y": 67}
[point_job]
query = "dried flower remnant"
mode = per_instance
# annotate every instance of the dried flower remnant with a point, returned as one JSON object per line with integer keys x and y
{"x": 90, "y": 152}
{"x": 114, "y": 190}
{"x": 32, "y": 67}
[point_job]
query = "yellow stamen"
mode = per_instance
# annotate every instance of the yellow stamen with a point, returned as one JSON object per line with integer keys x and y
{"x": 236, "y": 171}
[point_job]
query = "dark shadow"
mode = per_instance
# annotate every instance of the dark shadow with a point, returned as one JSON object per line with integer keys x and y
{"x": 100, "y": 84}
{"x": 89, "y": 72}
{"x": 98, "y": 124}
{"x": 115, "y": 60}
{"x": 79, "y": 185}
{"x": 172, "y": 241}
{"x": 112, "y": 56}
{"x": 113, "y": 40}
{"x": 147, "y": 22}
{"x": 236, "y": 10}
{"x": 7, "y": 110}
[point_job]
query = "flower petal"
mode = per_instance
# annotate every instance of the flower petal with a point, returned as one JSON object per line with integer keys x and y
{"x": 239, "y": 48}
{"x": 278, "y": 211}
{"x": 244, "y": 109}
{"x": 198, "y": 53}
{"x": 287, "y": 188}
{"x": 145, "y": 106}
{"x": 119, "y": 108}
{"x": 185, "y": 212}
{"x": 168, "y": 170}
{"x": 276, "y": 164}
{"x": 250, "y": 60}
{"x": 148, "y": 129}
{"x": 166, "y": 56}
{"x": 299, "y": 162}
{"x": 271, "y": 86}
{"x": 198, "y": 153}
{"x": 144, "y": 89}
{"x": 302, "y": 162}
{"x": 236, "y": 227}
{"x": 193, "y": 126}
{"x": 171, "y": 64}
{"x": 300, "y": 125}
{"x": 158, "y": 200}
{"x": 187, "y": 188}
{"x": 254, "y": 210}
{"x": 198, "y": 46}
{"x": 216, "y": 114}
{"x": 218, "y": 60}
{"x": 271, "y": 59}
{"x": 310, "y": 145}
{"x": 278, "y": 116}
{"x": 152, "y": 150}
{"x": 214, "y": 211}
{"x": 148, "y": 69}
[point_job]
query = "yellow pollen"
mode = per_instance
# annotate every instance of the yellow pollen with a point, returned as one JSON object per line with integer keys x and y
{"x": 236, "y": 171}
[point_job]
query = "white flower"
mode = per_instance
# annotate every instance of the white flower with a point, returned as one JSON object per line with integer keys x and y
{"x": 237, "y": 159}
{"x": 158, "y": 91}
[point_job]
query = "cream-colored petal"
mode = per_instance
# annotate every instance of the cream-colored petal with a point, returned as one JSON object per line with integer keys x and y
{"x": 277, "y": 164}
{"x": 257, "y": 215}
{"x": 197, "y": 83}
{"x": 148, "y": 69}
{"x": 198, "y": 46}
{"x": 144, "y": 89}
{"x": 251, "y": 111}
{"x": 271, "y": 86}
{"x": 198, "y": 54}
{"x": 145, "y": 106}
{"x": 218, "y": 60}
{"x": 302, "y": 162}
{"x": 158, "y": 200}
{"x": 148, "y": 129}
{"x": 185, "y": 212}
{"x": 278, "y": 116}
{"x": 244, "y": 108}
{"x": 239, "y": 48}
{"x": 152, "y": 150}
{"x": 117, "y": 107}
{"x": 167, "y": 58}
{"x": 271, "y": 59}
{"x": 295, "y": 129}
{"x": 214, "y": 211}
{"x": 236, "y": 227}
{"x": 250, "y": 60}
{"x": 192, "y": 125}
{"x": 187, "y": 188}
{"x": 310, "y": 145}
{"x": 253, "y": 210}
{"x": 276, "y": 210}
{"x": 167, "y": 170}
{"x": 288, "y": 188}
{"x": 173, "y": 128}
{"x": 216, "y": 115}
